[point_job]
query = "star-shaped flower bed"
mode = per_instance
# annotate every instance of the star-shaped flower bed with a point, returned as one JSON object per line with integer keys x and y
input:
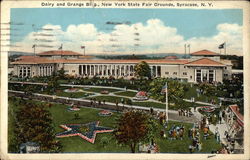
{"x": 85, "y": 131}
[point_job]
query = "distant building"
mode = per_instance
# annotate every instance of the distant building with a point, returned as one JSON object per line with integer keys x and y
{"x": 203, "y": 66}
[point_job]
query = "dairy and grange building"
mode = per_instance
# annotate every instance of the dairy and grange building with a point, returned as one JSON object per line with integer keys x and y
{"x": 203, "y": 66}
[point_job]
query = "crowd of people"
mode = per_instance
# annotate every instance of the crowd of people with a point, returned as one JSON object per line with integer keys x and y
{"x": 185, "y": 112}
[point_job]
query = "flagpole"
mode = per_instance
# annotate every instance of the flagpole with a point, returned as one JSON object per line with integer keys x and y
{"x": 185, "y": 49}
{"x": 84, "y": 50}
{"x": 225, "y": 49}
{"x": 166, "y": 102}
{"x": 34, "y": 50}
{"x": 189, "y": 49}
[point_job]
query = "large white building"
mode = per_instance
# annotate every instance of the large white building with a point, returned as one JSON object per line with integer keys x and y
{"x": 203, "y": 66}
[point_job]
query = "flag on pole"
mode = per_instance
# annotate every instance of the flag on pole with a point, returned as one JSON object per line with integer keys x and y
{"x": 60, "y": 48}
{"x": 164, "y": 89}
{"x": 221, "y": 46}
{"x": 33, "y": 46}
{"x": 82, "y": 47}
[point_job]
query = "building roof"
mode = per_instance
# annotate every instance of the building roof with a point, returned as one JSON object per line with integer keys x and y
{"x": 86, "y": 56}
{"x": 32, "y": 60}
{"x": 235, "y": 110}
{"x": 204, "y": 53}
{"x": 205, "y": 62}
{"x": 171, "y": 57}
{"x": 41, "y": 60}
{"x": 59, "y": 52}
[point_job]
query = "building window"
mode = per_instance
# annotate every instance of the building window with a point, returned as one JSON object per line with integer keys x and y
{"x": 211, "y": 76}
{"x": 166, "y": 72}
{"x": 73, "y": 71}
{"x": 198, "y": 75}
{"x": 175, "y": 73}
{"x": 225, "y": 75}
{"x": 184, "y": 73}
{"x": 29, "y": 72}
{"x": 191, "y": 77}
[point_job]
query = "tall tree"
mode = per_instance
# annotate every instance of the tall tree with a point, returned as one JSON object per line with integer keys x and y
{"x": 61, "y": 73}
{"x": 134, "y": 127}
{"x": 34, "y": 123}
{"x": 175, "y": 89}
{"x": 142, "y": 70}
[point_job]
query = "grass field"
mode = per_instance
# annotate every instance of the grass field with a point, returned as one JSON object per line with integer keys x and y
{"x": 73, "y": 95}
{"x": 150, "y": 104}
{"x": 98, "y": 90}
{"x": 126, "y": 93}
{"x": 76, "y": 144}
{"x": 112, "y": 99}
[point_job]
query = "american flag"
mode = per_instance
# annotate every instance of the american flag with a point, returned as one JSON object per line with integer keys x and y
{"x": 60, "y": 48}
{"x": 164, "y": 89}
{"x": 82, "y": 47}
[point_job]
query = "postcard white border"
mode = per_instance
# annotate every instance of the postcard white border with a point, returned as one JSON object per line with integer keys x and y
{"x": 5, "y": 16}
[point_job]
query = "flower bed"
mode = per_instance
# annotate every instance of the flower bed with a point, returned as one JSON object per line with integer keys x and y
{"x": 73, "y": 90}
{"x": 104, "y": 92}
{"x": 141, "y": 96}
{"x": 74, "y": 108}
{"x": 207, "y": 109}
{"x": 105, "y": 113}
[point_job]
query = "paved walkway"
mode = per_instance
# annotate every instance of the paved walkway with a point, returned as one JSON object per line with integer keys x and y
{"x": 173, "y": 115}
{"x": 121, "y": 90}
{"x": 221, "y": 127}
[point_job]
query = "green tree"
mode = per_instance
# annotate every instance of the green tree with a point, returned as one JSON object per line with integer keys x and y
{"x": 134, "y": 127}
{"x": 61, "y": 73}
{"x": 175, "y": 89}
{"x": 53, "y": 84}
{"x": 142, "y": 70}
{"x": 34, "y": 123}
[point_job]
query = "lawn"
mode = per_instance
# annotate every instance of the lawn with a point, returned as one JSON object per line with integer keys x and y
{"x": 60, "y": 115}
{"x": 181, "y": 146}
{"x": 150, "y": 104}
{"x": 126, "y": 93}
{"x": 112, "y": 99}
{"x": 74, "y": 94}
{"x": 98, "y": 90}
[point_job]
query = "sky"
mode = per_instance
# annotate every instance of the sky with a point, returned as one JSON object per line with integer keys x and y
{"x": 139, "y": 31}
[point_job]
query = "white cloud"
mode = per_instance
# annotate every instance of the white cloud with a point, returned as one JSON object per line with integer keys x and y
{"x": 152, "y": 37}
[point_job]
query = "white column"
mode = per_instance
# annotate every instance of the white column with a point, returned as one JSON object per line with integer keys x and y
{"x": 156, "y": 71}
{"x": 201, "y": 75}
{"x": 22, "y": 71}
{"x": 42, "y": 71}
{"x": 26, "y": 74}
{"x": 151, "y": 70}
{"x": 93, "y": 70}
{"x": 207, "y": 75}
{"x": 102, "y": 68}
{"x": 195, "y": 73}
{"x": 86, "y": 70}
{"x": 120, "y": 68}
{"x": 18, "y": 72}
{"x": 123, "y": 70}
{"x": 214, "y": 76}
{"x": 98, "y": 69}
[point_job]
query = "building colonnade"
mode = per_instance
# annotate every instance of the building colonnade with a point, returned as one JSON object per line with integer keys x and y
{"x": 45, "y": 70}
{"x": 116, "y": 70}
